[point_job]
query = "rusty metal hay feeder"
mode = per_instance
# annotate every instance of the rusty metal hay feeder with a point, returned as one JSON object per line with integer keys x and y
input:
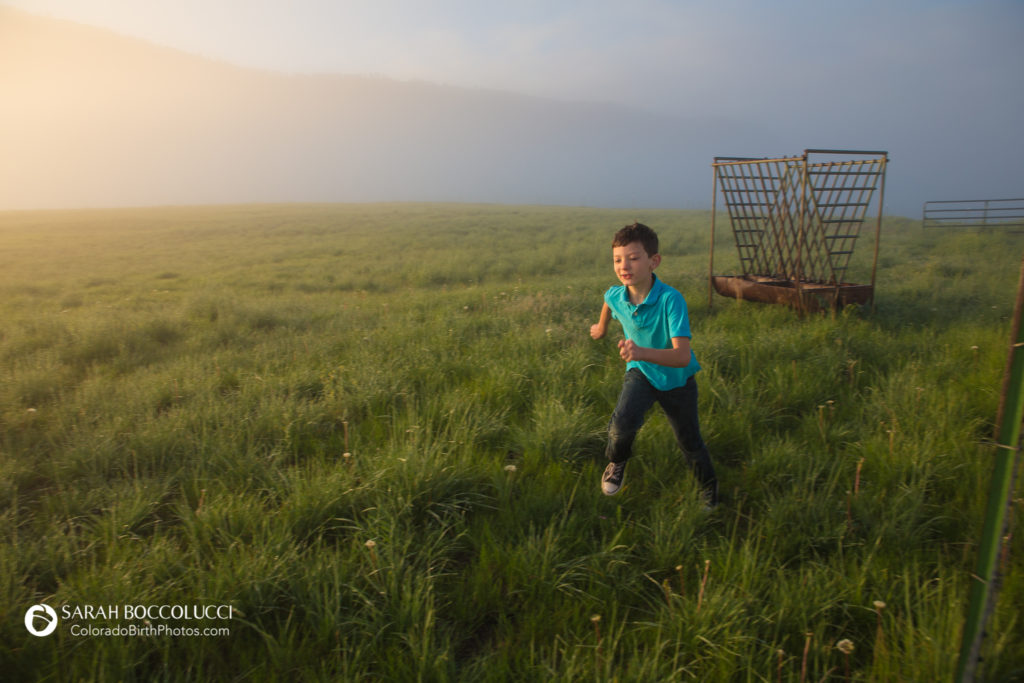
{"x": 796, "y": 221}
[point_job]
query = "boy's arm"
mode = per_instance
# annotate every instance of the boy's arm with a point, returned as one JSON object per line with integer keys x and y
{"x": 597, "y": 331}
{"x": 676, "y": 357}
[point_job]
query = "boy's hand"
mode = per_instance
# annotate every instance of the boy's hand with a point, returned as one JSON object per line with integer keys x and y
{"x": 597, "y": 330}
{"x": 629, "y": 351}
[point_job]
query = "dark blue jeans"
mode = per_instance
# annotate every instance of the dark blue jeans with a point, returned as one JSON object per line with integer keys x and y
{"x": 680, "y": 406}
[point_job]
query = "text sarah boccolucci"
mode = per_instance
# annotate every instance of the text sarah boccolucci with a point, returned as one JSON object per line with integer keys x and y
{"x": 145, "y": 612}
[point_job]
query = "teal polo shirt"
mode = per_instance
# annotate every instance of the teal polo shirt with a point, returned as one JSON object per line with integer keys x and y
{"x": 661, "y": 316}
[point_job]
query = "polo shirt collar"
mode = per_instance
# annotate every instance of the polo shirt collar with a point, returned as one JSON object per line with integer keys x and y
{"x": 652, "y": 295}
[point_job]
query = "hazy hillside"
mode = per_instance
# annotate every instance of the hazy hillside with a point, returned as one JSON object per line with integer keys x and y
{"x": 91, "y": 118}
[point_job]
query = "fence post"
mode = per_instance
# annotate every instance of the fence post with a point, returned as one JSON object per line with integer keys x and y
{"x": 1008, "y": 428}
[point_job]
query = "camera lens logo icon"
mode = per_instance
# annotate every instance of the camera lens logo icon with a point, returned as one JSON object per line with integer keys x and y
{"x": 41, "y": 620}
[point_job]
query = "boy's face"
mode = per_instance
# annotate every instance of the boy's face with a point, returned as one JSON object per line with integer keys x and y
{"x": 633, "y": 266}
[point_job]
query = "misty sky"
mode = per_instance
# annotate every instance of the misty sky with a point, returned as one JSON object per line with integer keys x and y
{"x": 937, "y": 83}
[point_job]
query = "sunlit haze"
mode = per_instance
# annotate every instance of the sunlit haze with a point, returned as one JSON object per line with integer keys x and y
{"x": 600, "y": 103}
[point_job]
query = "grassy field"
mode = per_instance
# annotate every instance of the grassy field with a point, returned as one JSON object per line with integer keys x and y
{"x": 376, "y": 432}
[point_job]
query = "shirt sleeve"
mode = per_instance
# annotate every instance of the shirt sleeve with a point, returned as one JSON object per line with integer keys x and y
{"x": 609, "y": 298}
{"x": 678, "y": 317}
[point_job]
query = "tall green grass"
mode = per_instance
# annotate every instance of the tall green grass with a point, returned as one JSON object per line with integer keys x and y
{"x": 377, "y": 432}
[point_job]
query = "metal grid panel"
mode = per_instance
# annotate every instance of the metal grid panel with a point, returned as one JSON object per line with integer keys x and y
{"x": 795, "y": 220}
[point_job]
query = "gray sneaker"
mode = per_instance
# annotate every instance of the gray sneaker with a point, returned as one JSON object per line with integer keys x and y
{"x": 611, "y": 480}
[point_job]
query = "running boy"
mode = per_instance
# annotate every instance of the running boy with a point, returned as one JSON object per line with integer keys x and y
{"x": 660, "y": 365}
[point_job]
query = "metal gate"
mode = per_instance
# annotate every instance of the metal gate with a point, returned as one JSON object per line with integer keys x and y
{"x": 974, "y": 213}
{"x": 796, "y": 221}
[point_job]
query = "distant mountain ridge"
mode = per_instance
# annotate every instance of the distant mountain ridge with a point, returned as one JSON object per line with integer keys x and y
{"x": 95, "y": 119}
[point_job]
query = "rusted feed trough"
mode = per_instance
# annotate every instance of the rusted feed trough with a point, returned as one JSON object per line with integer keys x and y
{"x": 796, "y": 221}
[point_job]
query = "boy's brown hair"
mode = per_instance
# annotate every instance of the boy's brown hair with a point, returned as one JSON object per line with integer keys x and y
{"x": 637, "y": 232}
